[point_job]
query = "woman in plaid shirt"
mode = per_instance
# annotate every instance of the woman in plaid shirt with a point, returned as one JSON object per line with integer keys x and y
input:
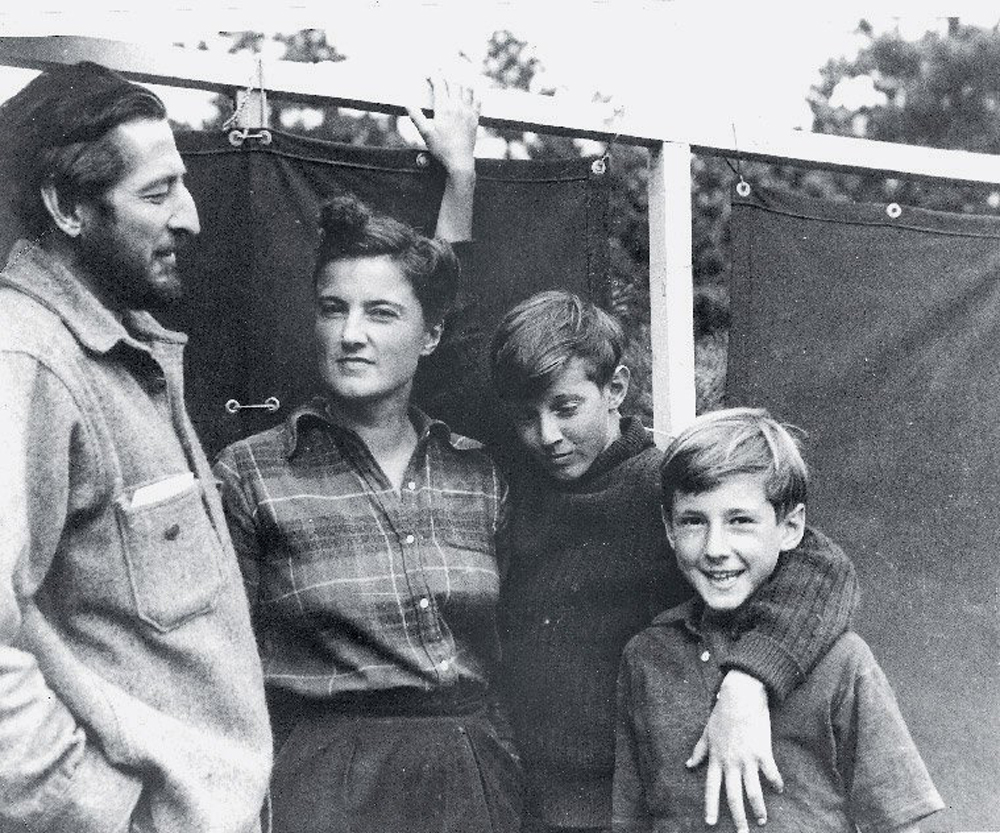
{"x": 365, "y": 531}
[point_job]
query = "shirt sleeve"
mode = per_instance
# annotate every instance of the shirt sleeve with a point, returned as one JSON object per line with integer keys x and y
{"x": 629, "y": 813}
{"x": 888, "y": 785}
{"x": 52, "y": 777}
{"x": 796, "y": 616}
{"x": 241, "y": 517}
{"x": 496, "y": 702}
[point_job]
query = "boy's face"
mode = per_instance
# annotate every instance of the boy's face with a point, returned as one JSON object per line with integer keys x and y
{"x": 727, "y": 539}
{"x": 569, "y": 425}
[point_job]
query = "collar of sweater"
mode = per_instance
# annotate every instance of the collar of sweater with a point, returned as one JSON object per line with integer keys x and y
{"x": 634, "y": 439}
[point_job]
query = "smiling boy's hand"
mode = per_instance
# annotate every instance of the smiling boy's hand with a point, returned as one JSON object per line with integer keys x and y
{"x": 737, "y": 744}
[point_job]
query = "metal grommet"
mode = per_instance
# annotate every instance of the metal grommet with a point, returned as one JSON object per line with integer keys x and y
{"x": 423, "y": 160}
{"x": 893, "y": 210}
{"x": 599, "y": 166}
{"x": 743, "y": 188}
{"x": 272, "y": 404}
{"x": 232, "y": 406}
{"x": 238, "y": 136}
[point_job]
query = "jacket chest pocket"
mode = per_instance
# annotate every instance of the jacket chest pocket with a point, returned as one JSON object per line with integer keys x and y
{"x": 172, "y": 555}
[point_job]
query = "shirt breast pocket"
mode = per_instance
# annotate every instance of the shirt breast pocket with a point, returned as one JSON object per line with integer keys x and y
{"x": 464, "y": 523}
{"x": 172, "y": 554}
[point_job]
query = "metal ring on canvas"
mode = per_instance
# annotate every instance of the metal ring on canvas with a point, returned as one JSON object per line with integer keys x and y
{"x": 271, "y": 404}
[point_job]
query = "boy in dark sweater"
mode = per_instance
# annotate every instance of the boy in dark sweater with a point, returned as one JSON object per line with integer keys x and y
{"x": 588, "y": 568}
{"x": 734, "y": 491}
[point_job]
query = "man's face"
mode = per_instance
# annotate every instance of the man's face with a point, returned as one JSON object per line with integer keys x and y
{"x": 727, "y": 539}
{"x": 371, "y": 331}
{"x": 129, "y": 239}
{"x": 572, "y": 422}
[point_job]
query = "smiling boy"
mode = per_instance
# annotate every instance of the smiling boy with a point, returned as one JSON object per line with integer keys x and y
{"x": 584, "y": 548}
{"x": 734, "y": 492}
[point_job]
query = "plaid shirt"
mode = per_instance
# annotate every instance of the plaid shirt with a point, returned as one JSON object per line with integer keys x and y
{"x": 352, "y": 585}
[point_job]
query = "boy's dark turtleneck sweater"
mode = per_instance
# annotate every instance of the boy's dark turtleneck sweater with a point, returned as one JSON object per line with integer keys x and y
{"x": 587, "y": 567}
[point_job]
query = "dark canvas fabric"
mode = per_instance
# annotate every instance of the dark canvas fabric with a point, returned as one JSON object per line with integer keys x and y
{"x": 880, "y": 337}
{"x": 248, "y": 308}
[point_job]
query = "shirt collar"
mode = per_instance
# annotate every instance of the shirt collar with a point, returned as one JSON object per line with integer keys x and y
{"x": 33, "y": 271}
{"x": 316, "y": 409}
{"x": 688, "y": 615}
{"x": 696, "y": 619}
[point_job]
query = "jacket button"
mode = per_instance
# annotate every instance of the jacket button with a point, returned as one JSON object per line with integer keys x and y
{"x": 172, "y": 531}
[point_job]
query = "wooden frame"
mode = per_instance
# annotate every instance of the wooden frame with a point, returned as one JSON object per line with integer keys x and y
{"x": 672, "y": 138}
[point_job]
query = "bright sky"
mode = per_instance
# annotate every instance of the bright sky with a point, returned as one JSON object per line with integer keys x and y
{"x": 751, "y": 60}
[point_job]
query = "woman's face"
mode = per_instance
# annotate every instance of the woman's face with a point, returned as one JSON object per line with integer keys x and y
{"x": 371, "y": 330}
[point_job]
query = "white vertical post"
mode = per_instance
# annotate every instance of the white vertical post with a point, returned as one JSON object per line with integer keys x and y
{"x": 671, "y": 289}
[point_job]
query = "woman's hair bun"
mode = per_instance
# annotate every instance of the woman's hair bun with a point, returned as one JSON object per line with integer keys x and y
{"x": 344, "y": 218}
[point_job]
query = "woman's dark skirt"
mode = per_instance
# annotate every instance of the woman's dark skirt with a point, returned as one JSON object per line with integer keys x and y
{"x": 391, "y": 762}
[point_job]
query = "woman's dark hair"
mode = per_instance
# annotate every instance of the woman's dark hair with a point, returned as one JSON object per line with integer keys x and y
{"x": 349, "y": 229}
{"x": 57, "y": 130}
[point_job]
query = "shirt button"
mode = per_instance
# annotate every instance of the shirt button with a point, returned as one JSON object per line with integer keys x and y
{"x": 172, "y": 531}
{"x": 546, "y": 621}
{"x": 705, "y": 656}
{"x": 410, "y": 539}
{"x": 424, "y": 603}
{"x": 411, "y": 486}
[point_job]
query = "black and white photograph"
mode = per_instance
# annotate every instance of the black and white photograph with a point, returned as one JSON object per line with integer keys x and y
{"x": 499, "y": 417}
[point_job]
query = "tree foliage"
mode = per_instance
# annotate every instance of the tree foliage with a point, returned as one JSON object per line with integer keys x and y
{"x": 940, "y": 91}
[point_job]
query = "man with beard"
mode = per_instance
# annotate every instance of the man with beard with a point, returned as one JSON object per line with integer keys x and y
{"x": 131, "y": 694}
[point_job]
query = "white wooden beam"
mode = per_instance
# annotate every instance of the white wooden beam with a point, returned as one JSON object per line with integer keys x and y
{"x": 341, "y": 83}
{"x": 671, "y": 289}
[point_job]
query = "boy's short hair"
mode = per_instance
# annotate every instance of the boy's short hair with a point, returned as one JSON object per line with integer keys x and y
{"x": 721, "y": 444}
{"x": 537, "y": 338}
{"x": 350, "y": 229}
{"x": 57, "y": 130}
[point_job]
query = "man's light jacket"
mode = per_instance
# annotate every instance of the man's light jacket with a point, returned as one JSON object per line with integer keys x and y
{"x": 131, "y": 695}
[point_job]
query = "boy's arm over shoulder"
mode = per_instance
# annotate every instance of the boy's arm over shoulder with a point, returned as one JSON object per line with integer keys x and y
{"x": 797, "y": 615}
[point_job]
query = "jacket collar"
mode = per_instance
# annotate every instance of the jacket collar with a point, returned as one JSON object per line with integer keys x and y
{"x": 34, "y": 272}
{"x": 316, "y": 410}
